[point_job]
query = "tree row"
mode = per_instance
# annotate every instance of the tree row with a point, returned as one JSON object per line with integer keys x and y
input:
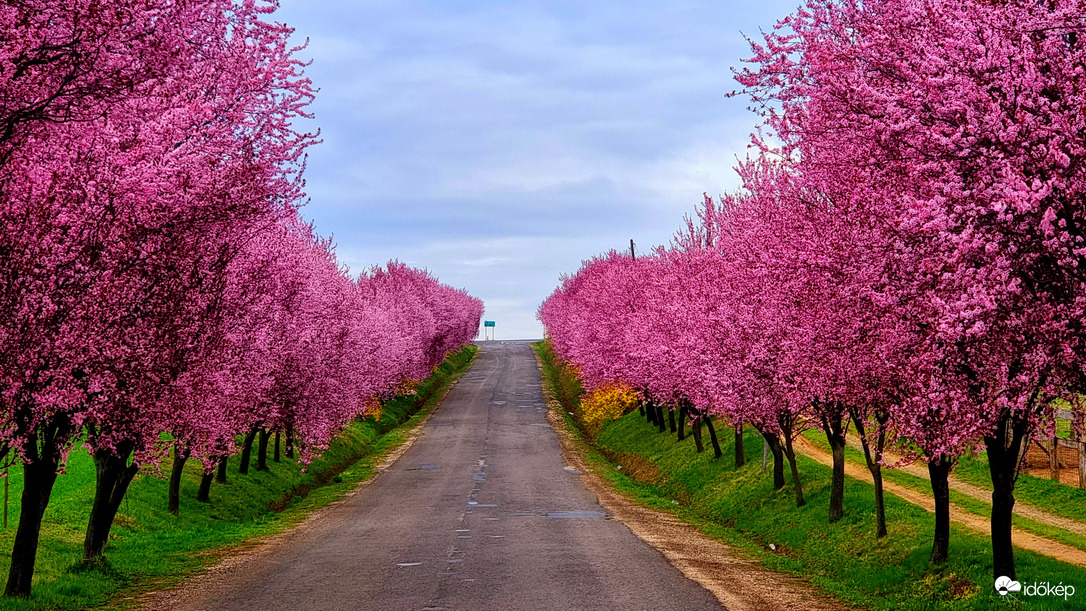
{"x": 158, "y": 290}
{"x": 906, "y": 252}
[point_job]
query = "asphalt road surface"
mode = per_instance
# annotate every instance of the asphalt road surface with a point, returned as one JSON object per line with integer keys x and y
{"x": 480, "y": 513}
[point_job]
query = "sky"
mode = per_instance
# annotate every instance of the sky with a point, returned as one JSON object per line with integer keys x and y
{"x": 500, "y": 144}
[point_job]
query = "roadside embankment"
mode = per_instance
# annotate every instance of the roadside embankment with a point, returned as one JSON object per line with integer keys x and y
{"x": 151, "y": 549}
{"x": 740, "y": 508}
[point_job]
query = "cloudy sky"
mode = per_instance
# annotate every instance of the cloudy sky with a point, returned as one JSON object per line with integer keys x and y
{"x": 498, "y": 144}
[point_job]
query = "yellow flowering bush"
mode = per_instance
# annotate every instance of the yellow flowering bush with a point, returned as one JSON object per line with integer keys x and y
{"x": 607, "y": 403}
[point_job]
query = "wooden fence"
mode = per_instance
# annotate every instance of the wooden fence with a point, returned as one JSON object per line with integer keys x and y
{"x": 1063, "y": 452}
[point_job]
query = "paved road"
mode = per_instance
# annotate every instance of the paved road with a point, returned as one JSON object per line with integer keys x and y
{"x": 480, "y": 513}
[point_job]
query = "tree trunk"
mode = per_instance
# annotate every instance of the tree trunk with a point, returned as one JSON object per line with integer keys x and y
{"x": 180, "y": 455}
{"x": 791, "y": 454}
{"x": 833, "y": 424}
{"x": 1004, "y": 449}
{"x": 873, "y": 465}
{"x": 247, "y": 450}
{"x": 682, "y": 421}
{"x": 774, "y": 442}
{"x": 696, "y": 426}
{"x": 712, "y": 437}
{"x": 113, "y": 474}
{"x": 204, "y": 493}
{"x": 262, "y": 451}
{"x": 290, "y": 441}
{"x": 641, "y": 407}
{"x": 661, "y": 423}
{"x": 880, "y": 504}
{"x": 39, "y": 475}
{"x": 939, "y": 472}
{"x": 671, "y": 418}
{"x": 275, "y": 456}
{"x": 221, "y": 475}
{"x": 837, "y": 486}
{"x": 740, "y": 456}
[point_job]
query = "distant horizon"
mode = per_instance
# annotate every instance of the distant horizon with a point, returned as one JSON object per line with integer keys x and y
{"x": 499, "y": 146}
{"x": 518, "y": 339}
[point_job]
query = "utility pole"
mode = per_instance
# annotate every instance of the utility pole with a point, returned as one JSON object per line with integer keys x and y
{"x": 633, "y": 255}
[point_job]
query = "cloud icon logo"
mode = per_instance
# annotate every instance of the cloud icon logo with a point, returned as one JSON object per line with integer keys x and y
{"x": 1005, "y": 584}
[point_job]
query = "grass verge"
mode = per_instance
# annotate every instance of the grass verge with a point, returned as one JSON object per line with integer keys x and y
{"x": 1053, "y": 497}
{"x": 1061, "y": 500}
{"x": 842, "y": 559}
{"x": 151, "y": 549}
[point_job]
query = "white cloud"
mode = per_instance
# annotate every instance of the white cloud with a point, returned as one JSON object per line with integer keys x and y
{"x": 499, "y": 144}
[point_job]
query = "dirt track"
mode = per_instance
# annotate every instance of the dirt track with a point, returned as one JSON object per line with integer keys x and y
{"x": 985, "y": 496}
{"x": 1022, "y": 538}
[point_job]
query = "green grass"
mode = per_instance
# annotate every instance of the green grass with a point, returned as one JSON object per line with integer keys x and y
{"x": 1041, "y": 492}
{"x": 149, "y": 548}
{"x": 1044, "y": 494}
{"x": 842, "y": 559}
{"x": 1053, "y": 497}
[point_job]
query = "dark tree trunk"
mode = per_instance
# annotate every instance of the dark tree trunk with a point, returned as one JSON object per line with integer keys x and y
{"x": 740, "y": 455}
{"x": 221, "y": 475}
{"x": 837, "y": 486}
{"x": 38, "y": 480}
{"x": 791, "y": 454}
{"x": 696, "y": 426}
{"x": 774, "y": 442}
{"x": 939, "y": 472}
{"x": 712, "y": 437}
{"x": 833, "y": 423}
{"x": 661, "y": 423}
{"x": 113, "y": 474}
{"x": 787, "y": 423}
{"x": 275, "y": 456}
{"x": 39, "y": 475}
{"x": 641, "y": 407}
{"x": 671, "y": 418}
{"x": 873, "y": 458}
{"x": 1004, "y": 449}
{"x": 880, "y": 504}
{"x": 180, "y": 455}
{"x": 262, "y": 451}
{"x": 41, "y": 459}
{"x": 290, "y": 441}
{"x": 778, "y": 466}
{"x": 204, "y": 493}
{"x": 682, "y": 421}
{"x": 247, "y": 450}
